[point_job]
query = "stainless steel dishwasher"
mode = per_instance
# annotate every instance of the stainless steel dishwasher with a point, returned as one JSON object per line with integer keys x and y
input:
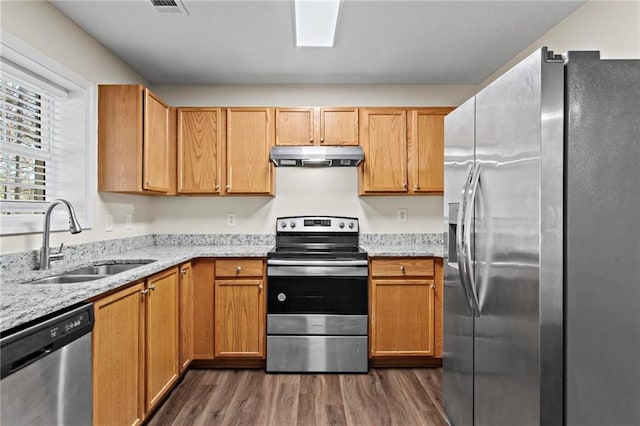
{"x": 46, "y": 371}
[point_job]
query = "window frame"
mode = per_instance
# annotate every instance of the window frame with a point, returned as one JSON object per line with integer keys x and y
{"x": 33, "y": 61}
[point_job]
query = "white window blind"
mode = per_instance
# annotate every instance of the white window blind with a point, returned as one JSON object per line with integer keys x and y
{"x": 47, "y": 139}
{"x": 30, "y": 142}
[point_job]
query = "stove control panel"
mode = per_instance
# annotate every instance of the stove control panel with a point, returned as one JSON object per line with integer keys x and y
{"x": 311, "y": 224}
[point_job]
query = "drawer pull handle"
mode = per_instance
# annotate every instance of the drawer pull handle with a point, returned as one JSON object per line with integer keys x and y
{"x": 402, "y": 268}
{"x": 239, "y": 268}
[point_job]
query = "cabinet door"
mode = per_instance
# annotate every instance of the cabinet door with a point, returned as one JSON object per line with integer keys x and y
{"x": 426, "y": 150}
{"x": 118, "y": 369}
{"x": 203, "y": 289}
{"x": 199, "y": 139}
{"x": 155, "y": 169}
{"x": 339, "y": 126}
{"x": 383, "y": 137}
{"x": 186, "y": 315}
{"x": 250, "y": 133}
{"x": 161, "y": 334}
{"x": 402, "y": 321}
{"x": 239, "y": 318}
{"x": 294, "y": 126}
{"x": 120, "y": 129}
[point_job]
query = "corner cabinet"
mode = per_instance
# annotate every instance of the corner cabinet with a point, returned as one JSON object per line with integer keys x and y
{"x": 239, "y": 308}
{"x": 406, "y": 307}
{"x": 317, "y": 126}
{"x": 133, "y": 141}
{"x": 135, "y": 349}
{"x": 249, "y": 138}
{"x": 404, "y": 150}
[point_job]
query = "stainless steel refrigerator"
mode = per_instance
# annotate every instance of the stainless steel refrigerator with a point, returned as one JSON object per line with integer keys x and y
{"x": 542, "y": 246}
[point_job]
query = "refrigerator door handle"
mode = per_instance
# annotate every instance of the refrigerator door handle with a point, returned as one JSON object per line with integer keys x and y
{"x": 466, "y": 246}
{"x": 460, "y": 242}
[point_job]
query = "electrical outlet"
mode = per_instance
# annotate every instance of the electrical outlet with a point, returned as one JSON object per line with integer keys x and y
{"x": 108, "y": 223}
{"x": 128, "y": 221}
{"x": 402, "y": 215}
{"x": 231, "y": 219}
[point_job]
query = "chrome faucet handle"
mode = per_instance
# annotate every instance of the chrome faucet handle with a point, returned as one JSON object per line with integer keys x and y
{"x": 57, "y": 255}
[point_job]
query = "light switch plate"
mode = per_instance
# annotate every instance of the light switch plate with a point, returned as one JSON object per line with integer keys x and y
{"x": 128, "y": 221}
{"x": 108, "y": 223}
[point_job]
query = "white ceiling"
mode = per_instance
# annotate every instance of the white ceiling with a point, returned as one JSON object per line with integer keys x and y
{"x": 377, "y": 42}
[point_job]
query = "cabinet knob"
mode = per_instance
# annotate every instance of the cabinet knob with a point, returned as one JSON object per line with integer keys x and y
{"x": 433, "y": 287}
{"x": 404, "y": 185}
{"x": 152, "y": 287}
{"x": 143, "y": 292}
{"x": 260, "y": 287}
{"x": 402, "y": 268}
{"x": 148, "y": 183}
{"x": 239, "y": 268}
{"x": 311, "y": 140}
{"x": 416, "y": 187}
{"x": 322, "y": 140}
{"x": 184, "y": 272}
{"x": 217, "y": 187}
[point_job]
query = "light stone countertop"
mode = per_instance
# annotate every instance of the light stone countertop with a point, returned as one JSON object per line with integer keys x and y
{"x": 21, "y": 302}
{"x": 404, "y": 250}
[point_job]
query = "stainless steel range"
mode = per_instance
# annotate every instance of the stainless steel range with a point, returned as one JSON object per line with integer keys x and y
{"x": 317, "y": 297}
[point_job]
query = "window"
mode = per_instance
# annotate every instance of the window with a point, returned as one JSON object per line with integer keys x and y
{"x": 47, "y": 135}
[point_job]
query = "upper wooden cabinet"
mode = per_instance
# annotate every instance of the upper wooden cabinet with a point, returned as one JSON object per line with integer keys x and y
{"x": 383, "y": 136}
{"x": 317, "y": 126}
{"x": 426, "y": 150}
{"x": 199, "y": 137}
{"x": 250, "y": 136}
{"x": 404, "y": 150}
{"x": 133, "y": 140}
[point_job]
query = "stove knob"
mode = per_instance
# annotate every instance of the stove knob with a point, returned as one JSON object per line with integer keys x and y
{"x": 292, "y": 224}
{"x": 341, "y": 225}
{"x": 351, "y": 225}
{"x": 283, "y": 224}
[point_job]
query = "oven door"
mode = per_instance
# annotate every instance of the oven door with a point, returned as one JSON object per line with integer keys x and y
{"x": 341, "y": 290}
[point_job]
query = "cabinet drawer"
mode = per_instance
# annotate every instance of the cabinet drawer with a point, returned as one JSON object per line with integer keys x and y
{"x": 239, "y": 268}
{"x": 404, "y": 267}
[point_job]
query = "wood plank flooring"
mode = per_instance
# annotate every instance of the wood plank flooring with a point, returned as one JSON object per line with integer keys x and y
{"x": 385, "y": 396}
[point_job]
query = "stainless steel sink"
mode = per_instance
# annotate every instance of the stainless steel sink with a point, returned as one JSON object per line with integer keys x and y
{"x": 109, "y": 269}
{"x": 93, "y": 272}
{"x": 67, "y": 279}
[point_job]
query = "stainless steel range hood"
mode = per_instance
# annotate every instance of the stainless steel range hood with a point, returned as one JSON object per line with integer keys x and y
{"x": 316, "y": 156}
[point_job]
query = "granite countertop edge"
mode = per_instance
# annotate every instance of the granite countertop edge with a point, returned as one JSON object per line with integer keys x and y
{"x": 21, "y": 302}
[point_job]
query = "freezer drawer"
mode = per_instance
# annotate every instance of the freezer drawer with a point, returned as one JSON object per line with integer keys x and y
{"x": 317, "y": 354}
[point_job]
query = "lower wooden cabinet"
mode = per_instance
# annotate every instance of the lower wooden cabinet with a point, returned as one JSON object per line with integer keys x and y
{"x": 135, "y": 349}
{"x": 118, "y": 349}
{"x": 406, "y": 307}
{"x": 240, "y": 310}
{"x": 161, "y": 335}
{"x": 185, "y": 291}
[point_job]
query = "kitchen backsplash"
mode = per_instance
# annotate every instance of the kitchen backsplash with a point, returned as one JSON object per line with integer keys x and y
{"x": 28, "y": 260}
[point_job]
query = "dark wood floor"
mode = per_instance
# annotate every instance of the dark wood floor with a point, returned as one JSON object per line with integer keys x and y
{"x": 250, "y": 397}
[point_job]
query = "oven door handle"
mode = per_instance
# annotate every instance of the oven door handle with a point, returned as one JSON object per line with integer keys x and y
{"x": 317, "y": 271}
{"x": 329, "y": 263}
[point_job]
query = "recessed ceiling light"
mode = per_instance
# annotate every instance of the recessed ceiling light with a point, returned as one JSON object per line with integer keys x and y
{"x": 316, "y": 22}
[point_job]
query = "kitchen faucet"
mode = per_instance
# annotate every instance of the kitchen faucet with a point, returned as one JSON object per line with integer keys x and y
{"x": 74, "y": 227}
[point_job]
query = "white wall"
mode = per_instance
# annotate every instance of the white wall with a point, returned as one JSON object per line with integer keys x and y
{"x": 612, "y": 27}
{"x": 40, "y": 25}
{"x": 305, "y": 191}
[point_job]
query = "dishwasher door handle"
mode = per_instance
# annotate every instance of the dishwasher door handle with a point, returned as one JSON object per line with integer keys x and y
{"x": 30, "y": 359}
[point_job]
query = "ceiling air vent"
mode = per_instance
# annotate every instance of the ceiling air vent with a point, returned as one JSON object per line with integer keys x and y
{"x": 169, "y": 6}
